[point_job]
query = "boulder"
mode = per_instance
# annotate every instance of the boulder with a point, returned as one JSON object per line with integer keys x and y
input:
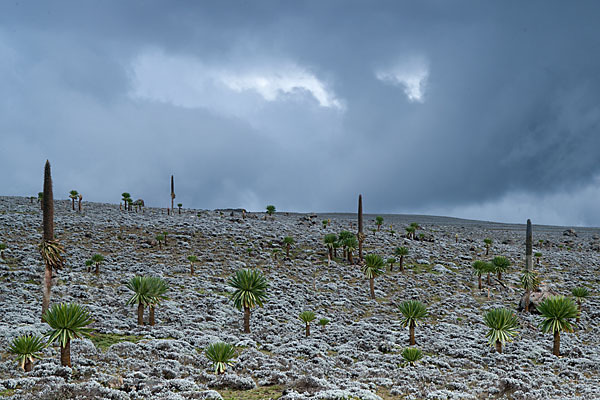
{"x": 570, "y": 232}
{"x": 536, "y": 298}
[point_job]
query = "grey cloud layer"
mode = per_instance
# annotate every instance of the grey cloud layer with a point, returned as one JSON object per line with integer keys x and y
{"x": 509, "y": 111}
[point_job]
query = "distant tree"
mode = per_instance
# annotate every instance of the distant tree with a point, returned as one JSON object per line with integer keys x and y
{"x": 142, "y": 297}
{"x": 329, "y": 240}
{"x": 157, "y": 289}
{"x": 342, "y": 238}
{"x": 489, "y": 269}
{"x": 488, "y": 244}
{"x": 412, "y": 312}
{"x": 557, "y": 311}
{"x": 179, "y": 205}
{"x": 220, "y": 354}
{"x": 379, "y": 222}
{"x": 391, "y": 261}
{"x": 501, "y": 265}
{"x": 351, "y": 244}
{"x": 373, "y": 267}
{"x": 325, "y": 223}
{"x": 410, "y": 232}
{"x": 323, "y": 322}
{"x": 288, "y": 241}
{"x": 125, "y": 196}
{"x": 27, "y": 348}
{"x": 336, "y": 245}
{"x": 192, "y": 260}
{"x": 530, "y": 282}
{"x": 88, "y": 264}
{"x": 503, "y": 324}
{"x": 73, "y": 195}
{"x": 580, "y": 293}
{"x": 250, "y": 291}
{"x": 479, "y": 268}
{"x": 160, "y": 238}
{"x": 97, "y": 259}
{"x": 270, "y": 209}
{"x": 537, "y": 256}
{"x": 307, "y": 317}
{"x": 2, "y": 248}
{"x": 414, "y": 227}
{"x": 68, "y": 321}
{"x": 401, "y": 252}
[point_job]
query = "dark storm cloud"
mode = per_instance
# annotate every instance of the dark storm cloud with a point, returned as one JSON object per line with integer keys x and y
{"x": 507, "y": 110}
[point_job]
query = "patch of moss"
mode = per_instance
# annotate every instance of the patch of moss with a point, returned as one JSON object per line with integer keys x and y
{"x": 7, "y": 392}
{"x": 104, "y": 340}
{"x": 259, "y": 393}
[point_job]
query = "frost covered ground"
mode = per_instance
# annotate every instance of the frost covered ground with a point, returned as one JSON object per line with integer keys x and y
{"x": 357, "y": 356}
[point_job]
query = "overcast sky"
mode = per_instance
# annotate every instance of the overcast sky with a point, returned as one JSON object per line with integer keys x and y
{"x": 476, "y": 109}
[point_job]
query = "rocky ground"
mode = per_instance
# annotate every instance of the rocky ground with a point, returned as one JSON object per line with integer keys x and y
{"x": 357, "y": 356}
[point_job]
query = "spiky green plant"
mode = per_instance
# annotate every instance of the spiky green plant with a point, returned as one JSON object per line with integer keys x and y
{"x": 378, "y": 222}
{"x": 401, "y": 252}
{"x": 530, "y": 282}
{"x": 411, "y": 355}
{"x": 97, "y": 259}
{"x": 307, "y": 317}
{"x": 537, "y": 256}
{"x": 271, "y": 209}
{"x": 488, "y": 244}
{"x": 557, "y": 312}
{"x": 68, "y": 321}
{"x": 141, "y": 295}
{"x": 351, "y": 244}
{"x": 391, "y": 261}
{"x": 220, "y": 354}
{"x": 325, "y": 222}
{"x": 580, "y": 293}
{"x": 193, "y": 259}
{"x": 410, "y": 232}
{"x": 329, "y": 241}
{"x": 323, "y": 322}
{"x": 374, "y": 267}
{"x": 479, "y": 268}
{"x": 501, "y": 265}
{"x": 288, "y": 241}
{"x": 412, "y": 312}
{"x": 503, "y": 324}
{"x": 250, "y": 291}
{"x": 157, "y": 289}
{"x": 27, "y": 348}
